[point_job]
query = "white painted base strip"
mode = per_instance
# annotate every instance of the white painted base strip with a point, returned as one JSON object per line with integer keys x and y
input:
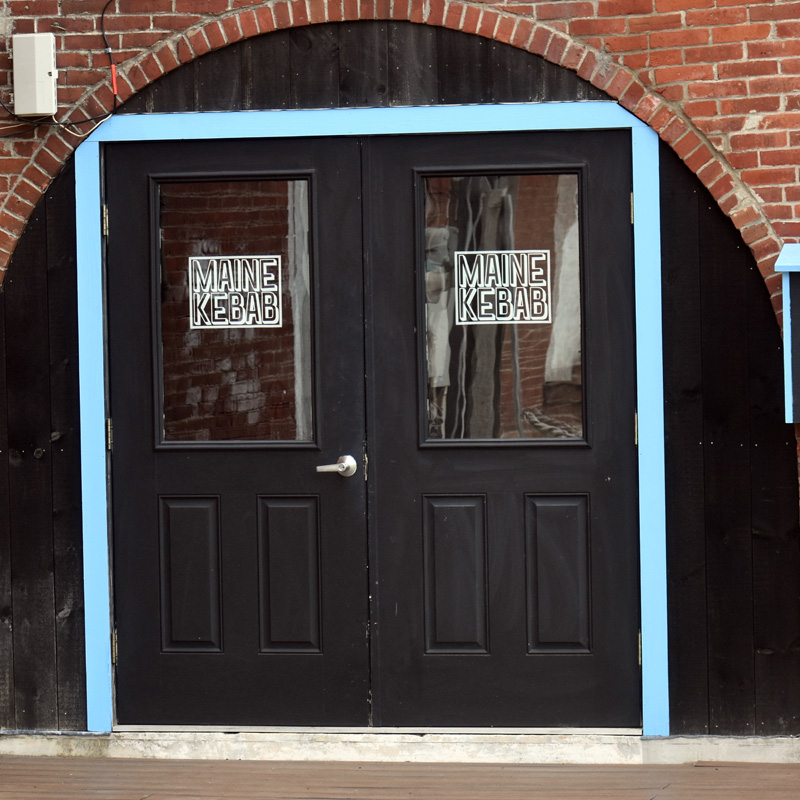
{"x": 374, "y": 731}
{"x": 391, "y": 745}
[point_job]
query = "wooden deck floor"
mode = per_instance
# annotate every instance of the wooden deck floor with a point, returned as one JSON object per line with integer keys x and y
{"x": 25, "y": 778}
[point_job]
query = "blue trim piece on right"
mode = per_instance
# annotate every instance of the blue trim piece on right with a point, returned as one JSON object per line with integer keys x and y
{"x": 788, "y": 372}
{"x": 787, "y": 263}
{"x": 789, "y": 258}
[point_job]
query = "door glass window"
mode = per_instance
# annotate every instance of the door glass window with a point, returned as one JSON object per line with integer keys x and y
{"x": 235, "y": 312}
{"x": 502, "y": 295}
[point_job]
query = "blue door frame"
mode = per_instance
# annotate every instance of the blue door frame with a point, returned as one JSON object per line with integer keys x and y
{"x": 360, "y": 122}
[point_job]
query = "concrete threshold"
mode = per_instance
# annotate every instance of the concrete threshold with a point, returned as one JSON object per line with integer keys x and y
{"x": 403, "y": 745}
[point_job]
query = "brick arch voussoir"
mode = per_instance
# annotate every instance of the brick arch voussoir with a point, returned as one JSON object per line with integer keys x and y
{"x": 734, "y": 197}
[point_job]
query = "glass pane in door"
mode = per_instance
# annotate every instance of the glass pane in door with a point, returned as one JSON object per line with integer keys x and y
{"x": 235, "y": 311}
{"x": 502, "y": 292}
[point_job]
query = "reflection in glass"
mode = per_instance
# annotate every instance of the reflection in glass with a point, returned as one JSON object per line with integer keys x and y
{"x": 230, "y": 375}
{"x": 503, "y": 307}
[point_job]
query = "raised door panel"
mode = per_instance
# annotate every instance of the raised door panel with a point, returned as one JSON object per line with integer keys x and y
{"x": 454, "y": 533}
{"x": 558, "y": 586}
{"x": 190, "y": 574}
{"x": 289, "y": 572}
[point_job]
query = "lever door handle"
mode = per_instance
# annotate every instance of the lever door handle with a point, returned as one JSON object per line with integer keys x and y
{"x": 345, "y": 466}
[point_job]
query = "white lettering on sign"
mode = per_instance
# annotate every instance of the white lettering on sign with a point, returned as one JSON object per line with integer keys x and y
{"x": 502, "y": 286}
{"x": 235, "y": 292}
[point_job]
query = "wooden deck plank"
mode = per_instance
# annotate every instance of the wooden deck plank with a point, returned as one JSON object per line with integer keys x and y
{"x": 147, "y": 779}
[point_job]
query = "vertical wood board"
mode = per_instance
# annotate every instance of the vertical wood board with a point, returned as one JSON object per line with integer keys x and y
{"x": 7, "y": 716}
{"x": 28, "y": 395}
{"x": 266, "y": 61}
{"x": 363, "y": 65}
{"x": 314, "y": 67}
{"x": 683, "y": 412}
{"x": 413, "y": 60}
{"x": 463, "y": 69}
{"x": 726, "y": 442}
{"x": 219, "y": 81}
{"x": 65, "y": 450}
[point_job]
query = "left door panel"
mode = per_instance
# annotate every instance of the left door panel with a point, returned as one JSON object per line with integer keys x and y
{"x": 235, "y": 339}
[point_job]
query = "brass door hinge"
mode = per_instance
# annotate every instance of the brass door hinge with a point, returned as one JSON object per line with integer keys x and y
{"x": 636, "y": 428}
{"x": 114, "y": 647}
{"x": 110, "y": 435}
{"x": 105, "y": 220}
{"x": 640, "y": 648}
{"x": 631, "y": 208}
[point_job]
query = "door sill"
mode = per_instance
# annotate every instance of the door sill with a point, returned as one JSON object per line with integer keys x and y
{"x": 422, "y": 745}
{"x": 334, "y": 730}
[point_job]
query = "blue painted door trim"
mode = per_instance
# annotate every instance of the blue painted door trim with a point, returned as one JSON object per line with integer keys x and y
{"x": 788, "y": 263}
{"x": 349, "y": 122}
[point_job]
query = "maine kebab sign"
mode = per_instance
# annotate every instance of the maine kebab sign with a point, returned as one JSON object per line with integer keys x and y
{"x": 511, "y": 286}
{"x": 235, "y": 292}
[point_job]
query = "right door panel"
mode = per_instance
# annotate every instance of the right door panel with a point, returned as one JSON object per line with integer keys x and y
{"x": 503, "y": 487}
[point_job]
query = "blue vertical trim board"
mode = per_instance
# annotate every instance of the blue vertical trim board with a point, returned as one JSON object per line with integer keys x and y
{"x": 787, "y": 263}
{"x": 788, "y": 373}
{"x": 650, "y": 404}
{"x": 357, "y": 122}
{"x": 91, "y": 365}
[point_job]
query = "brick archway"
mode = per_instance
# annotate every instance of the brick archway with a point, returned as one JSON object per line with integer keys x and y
{"x": 734, "y": 197}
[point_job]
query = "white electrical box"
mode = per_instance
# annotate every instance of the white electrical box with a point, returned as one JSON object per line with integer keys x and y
{"x": 34, "y": 60}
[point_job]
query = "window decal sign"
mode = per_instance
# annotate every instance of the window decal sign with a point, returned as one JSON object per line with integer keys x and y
{"x": 235, "y": 292}
{"x": 511, "y": 286}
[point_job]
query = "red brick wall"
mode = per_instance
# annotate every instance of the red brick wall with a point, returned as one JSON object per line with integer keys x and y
{"x": 718, "y": 80}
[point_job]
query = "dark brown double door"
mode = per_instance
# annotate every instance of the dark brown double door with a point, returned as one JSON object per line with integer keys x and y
{"x": 455, "y": 313}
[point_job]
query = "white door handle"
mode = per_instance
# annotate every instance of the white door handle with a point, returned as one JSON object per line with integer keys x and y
{"x": 345, "y": 466}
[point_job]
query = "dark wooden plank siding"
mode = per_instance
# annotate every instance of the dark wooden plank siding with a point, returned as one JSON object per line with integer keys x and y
{"x": 776, "y": 547}
{"x": 733, "y": 555}
{"x": 413, "y": 76}
{"x": 731, "y": 479}
{"x": 266, "y": 62}
{"x": 359, "y": 65}
{"x": 683, "y": 416}
{"x": 726, "y": 444}
{"x": 512, "y": 81}
{"x": 65, "y": 451}
{"x": 7, "y": 716}
{"x": 364, "y": 66}
{"x": 219, "y": 81}
{"x": 172, "y": 93}
{"x": 29, "y": 486}
{"x": 42, "y": 464}
{"x": 463, "y": 72}
{"x": 315, "y": 70}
